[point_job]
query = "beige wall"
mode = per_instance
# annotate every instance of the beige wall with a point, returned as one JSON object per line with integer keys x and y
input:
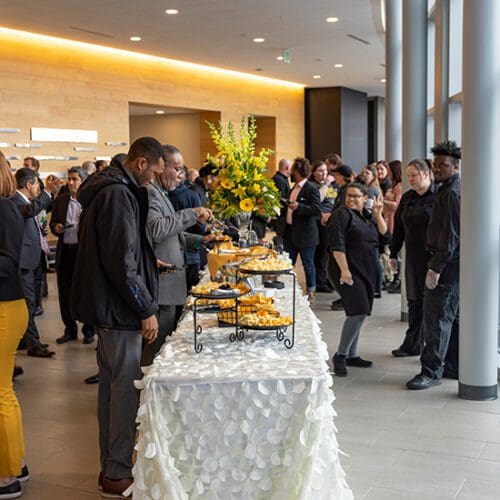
{"x": 49, "y": 83}
{"x": 181, "y": 130}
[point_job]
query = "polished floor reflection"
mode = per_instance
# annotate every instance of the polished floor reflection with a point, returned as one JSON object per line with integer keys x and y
{"x": 401, "y": 445}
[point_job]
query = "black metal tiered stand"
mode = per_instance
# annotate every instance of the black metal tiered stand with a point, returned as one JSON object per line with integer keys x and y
{"x": 280, "y": 330}
{"x": 236, "y": 335}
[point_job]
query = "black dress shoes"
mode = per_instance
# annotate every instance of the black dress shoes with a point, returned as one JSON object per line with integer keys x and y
{"x": 40, "y": 352}
{"x": 336, "y": 305}
{"x": 421, "y": 382}
{"x": 94, "y": 379}
{"x": 38, "y": 311}
{"x": 359, "y": 362}
{"x": 18, "y": 370}
{"x": 339, "y": 365}
{"x": 65, "y": 338}
{"x": 12, "y": 490}
{"x": 88, "y": 339}
{"x": 401, "y": 353}
{"x": 447, "y": 373}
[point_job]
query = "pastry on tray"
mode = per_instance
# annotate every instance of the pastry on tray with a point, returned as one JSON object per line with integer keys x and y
{"x": 270, "y": 264}
{"x": 215, "y": 288}
{"x": 265, "y": 318}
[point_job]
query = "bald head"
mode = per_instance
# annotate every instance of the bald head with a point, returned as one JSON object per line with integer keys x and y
{"x": 284, "y": 166}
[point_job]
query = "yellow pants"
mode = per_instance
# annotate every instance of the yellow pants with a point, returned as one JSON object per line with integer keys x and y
{"x": 13, "y": 323}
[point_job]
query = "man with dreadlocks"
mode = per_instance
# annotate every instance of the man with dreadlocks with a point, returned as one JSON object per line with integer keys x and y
{"x": 440, "y": 309}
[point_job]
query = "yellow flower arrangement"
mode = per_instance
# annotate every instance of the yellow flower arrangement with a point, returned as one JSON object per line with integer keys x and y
{"x": 241, "y": 181}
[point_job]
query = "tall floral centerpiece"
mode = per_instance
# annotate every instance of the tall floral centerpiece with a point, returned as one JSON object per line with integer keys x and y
{"x": 242, "y": 186}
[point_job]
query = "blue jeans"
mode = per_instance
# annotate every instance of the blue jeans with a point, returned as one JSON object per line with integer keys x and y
{"x": 307, "y": 257}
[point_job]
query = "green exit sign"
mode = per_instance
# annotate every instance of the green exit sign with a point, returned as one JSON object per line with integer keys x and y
{"x": 287, "y": 57}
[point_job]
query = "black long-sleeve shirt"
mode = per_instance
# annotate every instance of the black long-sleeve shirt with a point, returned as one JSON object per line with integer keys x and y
{"x": 443, "y": 232}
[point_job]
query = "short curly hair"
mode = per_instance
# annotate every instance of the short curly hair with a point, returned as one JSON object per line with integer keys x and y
{"x": 447, "y": 148}
{"x": 302, "y": 166}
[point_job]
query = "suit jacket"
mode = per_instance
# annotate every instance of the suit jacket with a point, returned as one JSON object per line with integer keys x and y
{"x": 167, "y": 228}
{"x": 31, "y": 249}
{"x": 304, "y": 218}
{"x": 59, "y": 212}
{"x": 283, "y": 185}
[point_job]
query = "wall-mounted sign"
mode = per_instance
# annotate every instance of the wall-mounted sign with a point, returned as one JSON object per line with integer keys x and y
{"x": 56, "y": 158}
{"x": 30, "y": 145}
{"x": 115, "y": 143}
{"x": 82, "y": 148}
{"x": 13, "y": 157}
{"x": 106, "y": 158}
{"x": 63, "y": 135}
{"x": 5, "y": 145}
{"x": 10, "y": 130}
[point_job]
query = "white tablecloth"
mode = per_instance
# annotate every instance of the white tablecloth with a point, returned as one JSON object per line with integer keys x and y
{"x": 243, "y": 420}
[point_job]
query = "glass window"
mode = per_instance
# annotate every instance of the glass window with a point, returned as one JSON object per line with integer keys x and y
{"x": 456, "y": 35}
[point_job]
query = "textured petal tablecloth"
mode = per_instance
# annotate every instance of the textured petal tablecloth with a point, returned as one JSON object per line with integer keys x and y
{"x": 244, "y": 420}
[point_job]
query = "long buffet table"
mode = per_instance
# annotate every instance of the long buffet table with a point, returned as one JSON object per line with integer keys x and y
{"x": 244, "y": 420}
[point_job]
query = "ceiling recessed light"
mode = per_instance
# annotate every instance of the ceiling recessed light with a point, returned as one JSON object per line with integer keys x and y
{"x": 135, "y": 38}
{"x": 339, "y": 65}
{"x": 332, "y": 19}
{"x": 383, "y": 80}
{"x": 316, "y": 76}
{"x": 280, "y": 58}
{"x": 160, "y": 112}
{"x": 258, "y": 40}
{"x": 171, "y": 12}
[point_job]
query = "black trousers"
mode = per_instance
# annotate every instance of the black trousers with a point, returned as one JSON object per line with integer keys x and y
{"x": 440, "y": 324}
{"x": 31, "y": 337}
{"x": 321, "y": 258}
{"x": 192, "y": 275}
{"x": 413, "y": 342}
{"x": 65, "y": 269}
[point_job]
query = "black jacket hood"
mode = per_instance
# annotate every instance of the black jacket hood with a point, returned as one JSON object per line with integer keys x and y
{"x": 114, "y": 174}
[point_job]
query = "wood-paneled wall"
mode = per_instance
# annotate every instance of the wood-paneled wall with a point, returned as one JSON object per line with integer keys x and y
{"x": 48, "y": 83}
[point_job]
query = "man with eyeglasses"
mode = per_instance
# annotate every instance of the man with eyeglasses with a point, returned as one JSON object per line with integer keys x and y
{"x": 441, "y": 294}
{"x": 170, "y": 239}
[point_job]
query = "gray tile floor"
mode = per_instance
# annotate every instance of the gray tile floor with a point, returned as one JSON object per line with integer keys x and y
{"x": 399, "y": 444}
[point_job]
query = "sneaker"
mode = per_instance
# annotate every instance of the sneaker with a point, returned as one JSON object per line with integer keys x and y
{"x": 12, "y": 490}
{"x": 421, "y": 382}
{"x": 339, "y": 365}
{"x": 25, "y": 474}
{"x": 359, "y": 362}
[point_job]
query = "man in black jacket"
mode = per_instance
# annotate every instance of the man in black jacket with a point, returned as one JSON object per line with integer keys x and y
{"x": 64, "y": 224}
{"x": 440, "y": 309}
{"x": 301, "y": 233}
{"x": 282, "y": 180}
{"x": 115, "y": 288}
{"x": 31, "y": 202}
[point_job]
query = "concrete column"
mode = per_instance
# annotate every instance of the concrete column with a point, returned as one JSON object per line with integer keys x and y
{"x": 480, "y": 214}
{"x": 414, "y": 94}
{"x": 442, "y": 71}
{"x": 394, "y": 79}
{"x": 414, "y": 79}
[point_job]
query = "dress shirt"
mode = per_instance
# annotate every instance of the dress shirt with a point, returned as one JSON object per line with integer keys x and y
{"x": 70, "y": 236}
{"x": 293, "y": 197}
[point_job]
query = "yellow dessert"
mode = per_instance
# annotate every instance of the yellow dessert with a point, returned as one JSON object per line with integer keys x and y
{"x": 270, "y": 264}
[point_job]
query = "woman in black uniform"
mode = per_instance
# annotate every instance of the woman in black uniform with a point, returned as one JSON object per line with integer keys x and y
{"x": 410, "y": 227}
{"x": 353, "y": 249}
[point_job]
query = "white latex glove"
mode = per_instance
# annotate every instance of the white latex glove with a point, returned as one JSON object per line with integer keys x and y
{"x": 431, "y": 279}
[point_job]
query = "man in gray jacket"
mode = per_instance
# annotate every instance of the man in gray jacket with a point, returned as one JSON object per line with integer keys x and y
{"x": 167, "y": 229}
